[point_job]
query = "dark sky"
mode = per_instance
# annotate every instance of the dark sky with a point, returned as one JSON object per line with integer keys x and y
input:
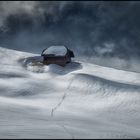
{"x": 90, "y": 28}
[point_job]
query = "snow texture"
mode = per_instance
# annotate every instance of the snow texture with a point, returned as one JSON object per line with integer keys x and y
{"x": 56, "y": 50}
{"x": 81, "y": 100}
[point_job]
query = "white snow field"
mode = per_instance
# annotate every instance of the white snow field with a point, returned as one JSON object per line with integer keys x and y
{"x": 81, "y": 100}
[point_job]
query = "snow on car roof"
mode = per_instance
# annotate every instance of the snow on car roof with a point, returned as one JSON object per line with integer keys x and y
{"x": 56, "y": 50}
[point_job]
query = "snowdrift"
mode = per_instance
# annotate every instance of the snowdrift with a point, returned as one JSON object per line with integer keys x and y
{"x": 81, "y": 100}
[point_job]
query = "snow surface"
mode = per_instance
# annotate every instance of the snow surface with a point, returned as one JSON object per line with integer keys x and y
{"x": 56, "y": 50}
{"x": 81, "y": 100}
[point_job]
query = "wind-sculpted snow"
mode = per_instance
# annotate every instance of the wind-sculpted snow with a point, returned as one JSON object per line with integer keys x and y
{"x": 81, "y": 100}
{"x": 34, "y": 64}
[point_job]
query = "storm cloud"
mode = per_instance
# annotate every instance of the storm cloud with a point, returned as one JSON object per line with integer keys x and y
{"x": 93, "y": 29}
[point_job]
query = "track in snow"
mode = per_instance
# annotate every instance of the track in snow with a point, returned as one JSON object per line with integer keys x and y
{"x": 87, "y": 100}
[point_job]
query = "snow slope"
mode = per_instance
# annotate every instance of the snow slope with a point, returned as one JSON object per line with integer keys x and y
{"x": 82, "y": 100}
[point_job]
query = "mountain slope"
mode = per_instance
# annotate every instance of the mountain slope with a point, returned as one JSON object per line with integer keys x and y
{"x": 82, "y": 100}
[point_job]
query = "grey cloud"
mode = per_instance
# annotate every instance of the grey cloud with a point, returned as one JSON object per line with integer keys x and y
{"x": 101, "y": 29}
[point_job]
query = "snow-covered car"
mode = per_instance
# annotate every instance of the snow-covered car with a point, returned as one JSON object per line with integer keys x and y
{"x": 60, "y": 55}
